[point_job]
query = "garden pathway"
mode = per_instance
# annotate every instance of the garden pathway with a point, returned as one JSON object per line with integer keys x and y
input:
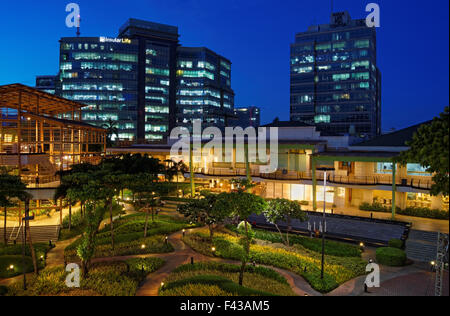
{"x": 393, "y": 280}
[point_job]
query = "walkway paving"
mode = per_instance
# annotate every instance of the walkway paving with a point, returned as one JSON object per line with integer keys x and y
{"x": 409, "y": 280}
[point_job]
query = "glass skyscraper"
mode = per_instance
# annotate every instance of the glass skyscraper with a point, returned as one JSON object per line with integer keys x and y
{"x": 204, "y": 88}
{"x": 102, "y": 74}
{"x": 145, "y": 82}
{"x": 335, "y": 82}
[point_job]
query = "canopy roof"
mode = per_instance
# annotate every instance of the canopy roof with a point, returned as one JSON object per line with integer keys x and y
{"x": 35, "y": 101}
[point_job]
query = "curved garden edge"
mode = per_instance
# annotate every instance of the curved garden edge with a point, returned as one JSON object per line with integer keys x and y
{"x": 182, "y": 255}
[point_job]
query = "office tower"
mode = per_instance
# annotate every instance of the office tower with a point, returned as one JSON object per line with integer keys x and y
{"x": 204, "y": 88}
{"x": 335, "y": 81}
{"x": 247, "y": 116}
{"x": 102, "y": 73}
{"x": 156, "y": 77}
{"x": 133, "y": 81}
{"x": 46, "y": 83}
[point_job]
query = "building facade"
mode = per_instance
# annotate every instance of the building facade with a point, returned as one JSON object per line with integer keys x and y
{"x": 41, "y": 134}
{"x": 102, "y": 73}
{"x": 364, "y": 174}
{"x": 203, "y": 88}
{"x": 46, "y": 83}
{"x": 247, "y": 116}
{"x": 141, "y": 81}
{"x": 335, "y": 81}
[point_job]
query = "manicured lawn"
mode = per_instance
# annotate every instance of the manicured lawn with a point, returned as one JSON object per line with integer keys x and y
{"x": 11, "y": 255}
{"x": 218, "y": 279}
{"x": 105, "y": 279}
{"x": 297, "y": 259}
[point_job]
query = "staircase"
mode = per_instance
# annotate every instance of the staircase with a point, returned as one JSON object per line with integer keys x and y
{"x": 422, "y": 246}
{"x": 39, "y": 234}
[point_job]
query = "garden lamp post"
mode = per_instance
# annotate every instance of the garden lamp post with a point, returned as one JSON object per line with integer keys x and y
{"x": 325, "y": 170}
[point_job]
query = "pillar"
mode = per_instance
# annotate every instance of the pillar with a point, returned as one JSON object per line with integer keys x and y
{"x": 314, "y": 186}
{"x": 191, "y": 167}
{"x": 394, "y": 188}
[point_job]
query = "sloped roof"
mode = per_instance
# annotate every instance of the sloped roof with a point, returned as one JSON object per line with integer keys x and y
{"x": 288, "y": 124}
{"x": 395, "y": 139}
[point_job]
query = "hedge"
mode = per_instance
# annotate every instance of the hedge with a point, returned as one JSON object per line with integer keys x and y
{"x": 392, "y": 257}
{"x": 410, "y": 211}
{"x": 213, "y": 280}
{"x": 396, "y": 243}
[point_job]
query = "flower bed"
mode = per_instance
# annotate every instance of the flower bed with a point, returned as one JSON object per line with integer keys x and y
{"x": 105, "y": 279}
{"x": 298, "y": 259}
{"x": 219, "y": 279}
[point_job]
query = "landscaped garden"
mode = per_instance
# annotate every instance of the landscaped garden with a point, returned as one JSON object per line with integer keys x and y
{"x": 129, "y": 237}
{"x": 119, "y": 278}
{"x": 298, "y": 259}
{"x": 220, "y": 279}
{"x": 11, "y": 263}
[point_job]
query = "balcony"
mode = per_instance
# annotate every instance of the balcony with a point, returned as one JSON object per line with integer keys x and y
{"x": 285, "y": 175}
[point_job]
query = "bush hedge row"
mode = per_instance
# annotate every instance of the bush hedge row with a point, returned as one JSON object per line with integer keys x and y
{"x": 392, "y": 257}
{"x": 410, "y": 211}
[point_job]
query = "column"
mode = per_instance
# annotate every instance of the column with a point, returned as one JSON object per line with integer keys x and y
{"x": 314, "y": 186}
{"x": 394, "y": 188}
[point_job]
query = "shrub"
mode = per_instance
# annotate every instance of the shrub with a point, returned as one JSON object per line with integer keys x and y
{"x": 392, "y": 257}
{"x": 108, "y": 279}
{"x": 16, "y": 262}
{"x": 231, "y": 268}
{"x": 213, "y": 280}
{"x": 3, "y": 290}
{"x": 332, "y": 248}
{"x": 396, "y": 243}
{"x": 196, "y": 290}
{"x": 410, "y": 211}
{"x": 305, "y": 263}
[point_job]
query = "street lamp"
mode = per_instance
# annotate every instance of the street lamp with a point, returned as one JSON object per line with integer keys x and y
{"x": 325, "y": 170}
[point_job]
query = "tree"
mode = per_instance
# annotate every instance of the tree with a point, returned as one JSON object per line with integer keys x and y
{"x": 430, "y": 148}
{"x": 11, "y": 189}
{"x": 86, "y": 187}
{"x": 282, "y": 210}
{"x": 211, "y": 210}
{"x": 174, "y": 169}
{"x": 111, "y": 130}
{"x": 244, "y": 204}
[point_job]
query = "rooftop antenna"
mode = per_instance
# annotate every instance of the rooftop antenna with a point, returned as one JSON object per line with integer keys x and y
{"x": 78, "y": 26}
{"x": 332, "y": 7}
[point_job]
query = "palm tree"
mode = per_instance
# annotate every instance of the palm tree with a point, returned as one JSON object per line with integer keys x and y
{"x": 174, "y": 169}
{"x": 111, "y": 129}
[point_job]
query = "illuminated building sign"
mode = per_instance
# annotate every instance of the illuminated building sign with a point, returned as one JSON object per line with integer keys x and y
{"x": 115, "y": 40}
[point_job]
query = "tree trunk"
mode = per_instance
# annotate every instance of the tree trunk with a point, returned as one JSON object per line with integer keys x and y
{"x": 211, "y": 232}
{"x": 5, "y": 237}
{"x": 244, "y": 258}
{"x": 146, "y": 223}
{"x": 281, "y": 235}
{"x": 81, "y": 209}
{"x": 30, "y": 242}
{"x": 111, "y": 222}
{"x": 288, "y": 230}
{"x": 70, "y": 217}
{"x": 85, "y": 269}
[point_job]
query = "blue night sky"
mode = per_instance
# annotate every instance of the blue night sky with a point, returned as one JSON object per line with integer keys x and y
{"x": 413, "y": 44}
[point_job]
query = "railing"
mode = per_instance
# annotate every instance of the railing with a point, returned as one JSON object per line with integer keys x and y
{"x": 297, "y": 176}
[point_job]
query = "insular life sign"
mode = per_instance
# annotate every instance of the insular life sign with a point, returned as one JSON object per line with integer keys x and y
{"x": 115, "y": 40}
